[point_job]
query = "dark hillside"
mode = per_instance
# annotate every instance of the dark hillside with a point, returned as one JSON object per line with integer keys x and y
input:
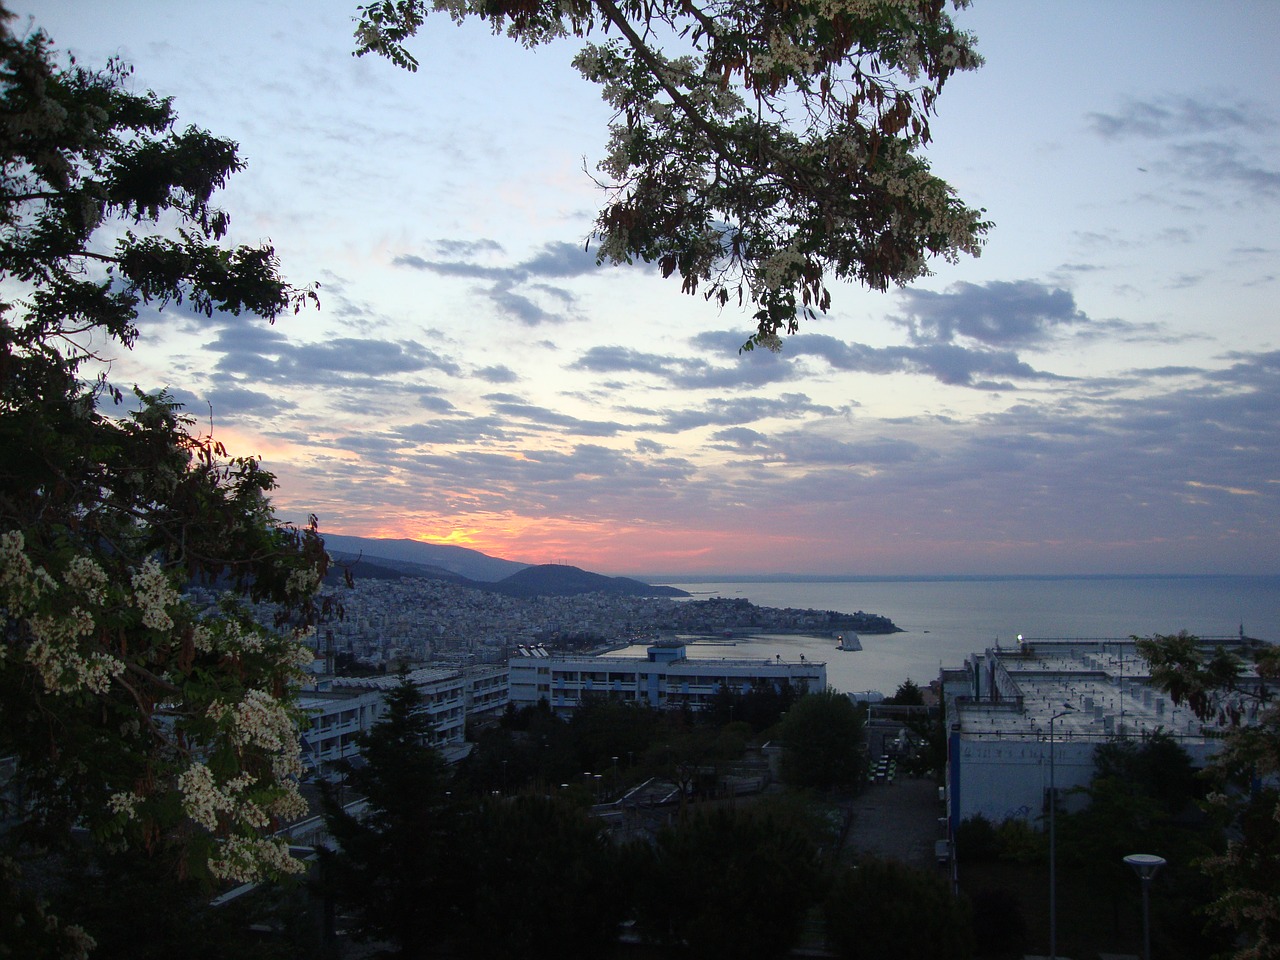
{"x": 561, "y": 580}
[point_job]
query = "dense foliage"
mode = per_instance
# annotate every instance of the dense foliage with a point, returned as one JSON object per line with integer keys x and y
{"x": 1219, "y": 685}
{"x": 884, "y": 909}
{"x": 728, "y": 884}
{"x": 165, "y": 730}
{"x": 822, "y": 742}
{"x": 757, "y": 149}
{"x": 394, "y": 869}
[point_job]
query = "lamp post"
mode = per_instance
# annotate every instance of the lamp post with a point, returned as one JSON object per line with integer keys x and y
{"x": 1053, "y": 850}
{"x": 1146, "y": 866}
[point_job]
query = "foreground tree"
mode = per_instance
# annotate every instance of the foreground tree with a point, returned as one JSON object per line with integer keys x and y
{"x": 1221, "y": 686}
{"x": 160, "y": 727}
{"x": 884, "y": 909}
{"x": 391, "y": 866}
{"x": 728, "y": 884}
{"x": 778, "y": 144}
{"x": 1142, "y": 798}
{"x": 538, "y": 879}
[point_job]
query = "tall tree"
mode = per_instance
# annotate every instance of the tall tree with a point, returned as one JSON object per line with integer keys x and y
{"x": 822, "y": 742}
{"x": 391, "y": 867}
{"x": 158, "y": 726}
{"x": 766, "y": 148}
{"x": 907, "y": 695}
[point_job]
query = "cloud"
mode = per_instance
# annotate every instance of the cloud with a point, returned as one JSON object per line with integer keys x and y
{"x": 1202, "y": 140}
{"x": 1016, "y": 313}
{"x": 453, "y": 431}
{"x": 498, "y": 373}
{"x": 232, "y": 401}
{"x": 1022, "y": 313}
{"x": 266, "y": 355}
{"x": 741, "y": 438}
{"x": 1224, "y": 162}
{"x": 546, "y": 419}
{"x": 467, "y": 248}
{"x": 946, "y": 362}
{"x": 1167, "y": 118}
{"x": 739, "y": 410}
{"x": 650, "y": 446}
{"x": 509, "y": 286}
{"x": 744, "y": 371}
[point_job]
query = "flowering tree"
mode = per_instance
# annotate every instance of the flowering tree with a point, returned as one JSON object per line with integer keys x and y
{"x": 768, "y": 146}
{"x": 157, "y": 725}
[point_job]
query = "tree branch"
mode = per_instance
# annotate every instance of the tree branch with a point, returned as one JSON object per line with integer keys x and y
{"x": 618, "y": 19}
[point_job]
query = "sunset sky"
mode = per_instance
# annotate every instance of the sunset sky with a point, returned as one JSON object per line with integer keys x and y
{"x": 1098, "y": 393}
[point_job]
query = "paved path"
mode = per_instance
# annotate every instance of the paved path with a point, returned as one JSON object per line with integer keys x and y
{"x": 898, "y": 822}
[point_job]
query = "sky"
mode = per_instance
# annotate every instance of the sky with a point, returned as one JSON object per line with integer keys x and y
{"x": 1099, "y": 392}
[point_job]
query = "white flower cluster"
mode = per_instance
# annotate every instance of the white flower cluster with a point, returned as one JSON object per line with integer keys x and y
{"x": 240, "y": 858}
{"x": 54, "y": 650}
{"x": 786, "y": 56}
{"x": 304, "y": 581}
{"x": 777, "y": 270}
{"x": 84, "y": 574}
{"x": 297, "y": 656}
{"x": 863, "y": 9}
{"x": 23, "y": 583}
{"x": 770, "y": 341}
{"x": 263, "y": 721}
{"x": 231, "y": 635}
{"x": 125, "y": 802}
{"x": 245, "y": 859}
{"x": 259, "y": 719}
{"x": 153, "y": 594}
{"x": 202, "y": 801}
{"x": 63, "y": 669}
{"x": 80, "y": 944}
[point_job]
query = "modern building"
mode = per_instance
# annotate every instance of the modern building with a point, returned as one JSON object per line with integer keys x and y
{"x": 1020, "y": 717}
{"x": 664, "y": 677}
{"x": 342, "y": 708}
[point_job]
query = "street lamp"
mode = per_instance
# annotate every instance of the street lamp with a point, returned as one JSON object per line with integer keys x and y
{"x": 1146, "y": 866}
{"x": 1053, "y": 863}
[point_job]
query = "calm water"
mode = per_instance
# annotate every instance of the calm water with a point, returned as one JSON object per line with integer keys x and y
{"x": 946, "y": 620}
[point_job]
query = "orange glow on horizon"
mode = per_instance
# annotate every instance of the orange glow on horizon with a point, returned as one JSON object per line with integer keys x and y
{"x": 597, "y": 545}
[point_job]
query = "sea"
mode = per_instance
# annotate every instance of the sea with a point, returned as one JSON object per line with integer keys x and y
{"x": 946, "y": 619}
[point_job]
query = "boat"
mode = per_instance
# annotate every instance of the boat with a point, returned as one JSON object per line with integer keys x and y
{"x": 848, "y": 642}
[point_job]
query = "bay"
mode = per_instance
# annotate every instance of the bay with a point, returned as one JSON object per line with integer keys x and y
{"x": 946, "y": 620}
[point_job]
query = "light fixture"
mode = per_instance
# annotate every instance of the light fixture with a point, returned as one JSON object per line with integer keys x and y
{"x": 1146, "y": 866}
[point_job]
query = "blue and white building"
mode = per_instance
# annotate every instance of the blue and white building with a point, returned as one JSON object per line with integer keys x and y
{"x": 1003, "y": 749}
{"x": 665, "y": 677}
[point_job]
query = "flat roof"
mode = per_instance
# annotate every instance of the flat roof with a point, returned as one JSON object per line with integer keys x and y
{"x": 1091, "y": 689}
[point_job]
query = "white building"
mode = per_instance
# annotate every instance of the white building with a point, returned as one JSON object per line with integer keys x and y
{"x": 1000, "y": 756}
{"x": 342, "y": 708}
{"x": 665, "y": 677}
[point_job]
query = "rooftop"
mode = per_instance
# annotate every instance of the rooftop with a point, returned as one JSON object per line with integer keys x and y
{"x": 1090, "y": 689}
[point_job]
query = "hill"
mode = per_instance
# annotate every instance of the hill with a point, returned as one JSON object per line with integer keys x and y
{"x": 562, "y": 580}
{"x": 376, "y": 559}
{"x": 458, "y": 561}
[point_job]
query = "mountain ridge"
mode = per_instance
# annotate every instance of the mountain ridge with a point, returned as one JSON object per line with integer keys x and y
{"x": 383, "y": 559}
